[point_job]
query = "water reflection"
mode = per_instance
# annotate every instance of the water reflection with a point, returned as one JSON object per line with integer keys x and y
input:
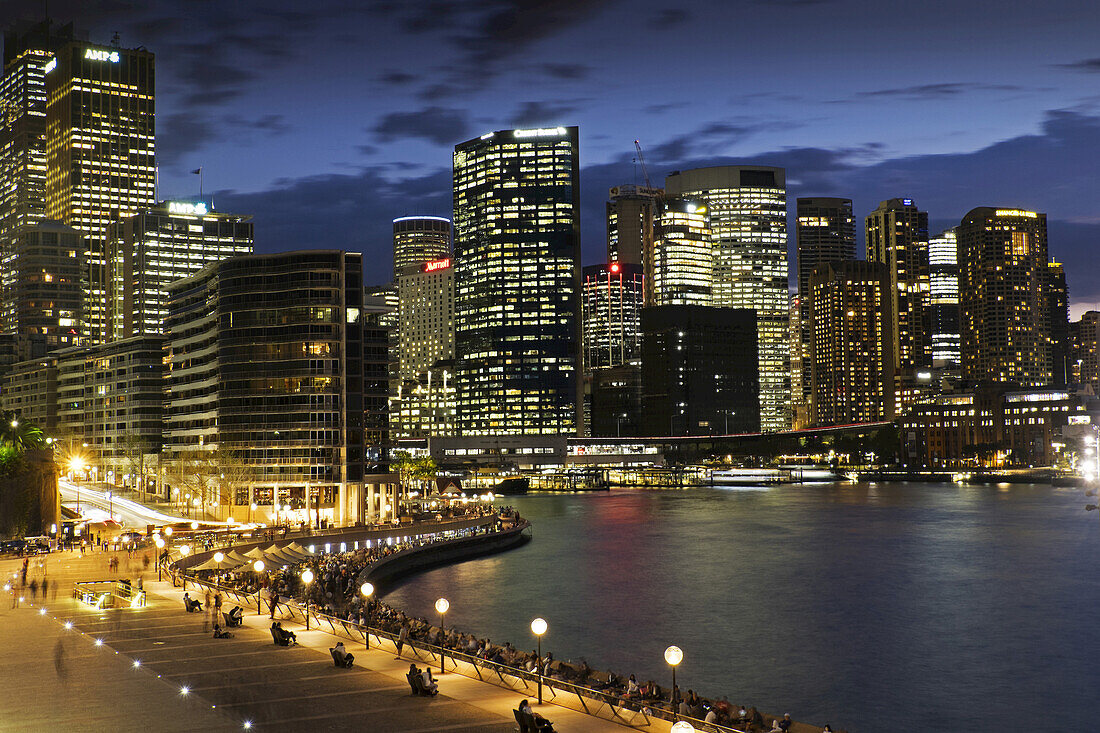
{"x": 877, "y": 606}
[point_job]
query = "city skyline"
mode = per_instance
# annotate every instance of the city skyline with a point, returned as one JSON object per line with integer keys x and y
{"x": 954, "y": 131}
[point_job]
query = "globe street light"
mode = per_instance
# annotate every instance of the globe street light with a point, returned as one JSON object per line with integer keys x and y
{"x": 441, "y": 606}
{"x": 538, "y": 627}
{"x": 674, "y": 655}
{"x": 307, "y": 578}
{"x": 682, "y": 727}
{"x": 367, "y": 590}
{"x": 258, "y": 566}
{"x": 160, "y": 546}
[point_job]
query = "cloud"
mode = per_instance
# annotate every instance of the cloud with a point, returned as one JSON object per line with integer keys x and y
{"x": 398, "y": 77}
{"x": 180, "y": 134}
{"x": 569, "y": 72}
{"x": 440, "y": 125}
{"x": 941, "y": 90}
{"x": 1090, "y": 65}
{"x": 542, "y": 114}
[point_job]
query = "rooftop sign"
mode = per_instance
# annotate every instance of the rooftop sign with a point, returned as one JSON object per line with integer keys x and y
{"x": 1017, "y": 212}
{"x": 433, "y": 265}
{"x": 183, "y": 207}
{"x": 97, "y": 55}
{"x": 540, "y": 132}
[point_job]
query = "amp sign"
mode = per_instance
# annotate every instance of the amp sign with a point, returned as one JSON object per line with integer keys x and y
{"x": 97, "y": 55}
{"x": 180, "y": 207}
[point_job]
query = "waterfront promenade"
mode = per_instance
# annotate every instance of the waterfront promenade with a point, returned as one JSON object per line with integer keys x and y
{"x": 137, "y": 678}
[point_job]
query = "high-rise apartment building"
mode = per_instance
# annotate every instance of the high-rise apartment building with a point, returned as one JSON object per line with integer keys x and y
{"x": 517, "y": 282}
{"x": 266, "y": 370}
{"x": 943, "y": 299}
{"x": 1058, "y": 307}
{"x": 160, "y": 245}
{"x": 747, "y": 206}
{"x": 825, "y": 232}
{"x": 1003, "y": 296}
{"x": 897, "y": 236}
{"x": 699, "y": 371}
{"x": 679, "y": 260}
{"x": 41, "y": 293}
{"x": 631, "y": 211}
{"x": 100, "y": 163}
{"x": 27, "y": 52}
{"x": 611, "y": 304}
{"x": 418, "y": 239}
{"x": 851, "y": 367}
{"x": 1084, "y": 358}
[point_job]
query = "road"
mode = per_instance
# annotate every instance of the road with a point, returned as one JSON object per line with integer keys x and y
{"x": 130, "y": 513}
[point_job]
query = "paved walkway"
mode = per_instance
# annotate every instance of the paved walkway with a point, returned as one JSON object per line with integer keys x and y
{"x": 158, "y": 669}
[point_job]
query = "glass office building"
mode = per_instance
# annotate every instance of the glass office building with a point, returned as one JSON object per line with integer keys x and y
{"x": 943, "y": 299}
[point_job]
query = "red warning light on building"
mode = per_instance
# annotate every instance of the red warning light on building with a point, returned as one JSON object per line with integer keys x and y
{"x": 614, "y": 266}
{"x": 433, "y": 265}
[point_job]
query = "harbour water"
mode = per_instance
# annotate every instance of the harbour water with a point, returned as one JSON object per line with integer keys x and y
{"x": 876, "y": 607}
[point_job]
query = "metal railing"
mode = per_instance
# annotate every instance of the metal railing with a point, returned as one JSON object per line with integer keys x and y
{"x": 103, "y": 593}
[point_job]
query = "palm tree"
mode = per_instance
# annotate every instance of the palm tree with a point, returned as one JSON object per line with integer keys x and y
{"x": 20, "y": 435}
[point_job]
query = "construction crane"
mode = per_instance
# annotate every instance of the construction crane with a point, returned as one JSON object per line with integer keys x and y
{"x": 641, "y": 159}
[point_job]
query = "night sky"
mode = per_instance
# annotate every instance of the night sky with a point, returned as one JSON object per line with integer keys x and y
{"x": 325, "y": 120}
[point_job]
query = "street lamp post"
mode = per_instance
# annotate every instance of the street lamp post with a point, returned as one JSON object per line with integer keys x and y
{"x": 307, "y": 578}
{"x": 538, "y": 627}
{"x": 673, "y": 655}
{"x": 258, "y": 566}
{"x": 160, "y": 546}
{"x": 367, "y": 590}
{"x": 441, "y": 606}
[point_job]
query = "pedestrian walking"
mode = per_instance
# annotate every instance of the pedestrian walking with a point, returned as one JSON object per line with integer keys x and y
{"x": 34, "y": 589}
{"x": 401, "y": 638}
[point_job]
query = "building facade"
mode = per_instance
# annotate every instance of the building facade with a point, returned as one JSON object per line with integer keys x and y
{"x": 631, "y": 211}
{"x": 897, "y": 236}
{"x": 747, "y": 206}
{"x": 517, "y": 282}
{"x": 699, "y": 371}
{"x": 1084, "y": 337}
{"x": 1058, "y": 308}
{"x": 266, "y": 382}
{"x": 851, "y": 364}
{"x": 29, "y": 390}
{"x": 825, "y": 232}
{"x": 100, "y": 162}
{"x": 418, "y": 239}
{"x": 1003, "y": 297}
{"x": 679, "y": 264}
{"x": 160, "y": 245}
{"x": 943, "y": 300}
{"x": 611, "y": 304}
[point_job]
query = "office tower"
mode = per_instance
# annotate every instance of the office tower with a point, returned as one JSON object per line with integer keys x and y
{"x": 424, "y": 403}
{"x": 417, "y": 239}
{"x": 611, "y": 303}
{"x": 943, "y": 299}
{"x": 1058, "y": 306}
{"x": 851, "y": 365}
{"x": 897, "y": 236}
{"x": 266, "y": 373}
{"x": 517, "y": 282}
{"x": 679, "y": 262}
{"x": 111, "y": 398}
{"x": 699, "y": 370}
{"x": 100, "y": 164}
{"x": 383, "y": 305}
{"x": 28, "y": 390}
{"x": 159, "y": 245}
{"x": 1003, "y": 298}
{"x": 630, "y": 216}
{"x": 27, "y": 52}
{"x": 747, "y": 206}
{"x": 40, "y": 280}
{"x": 825, "y": 232}
{"x": 1084, "y": 350}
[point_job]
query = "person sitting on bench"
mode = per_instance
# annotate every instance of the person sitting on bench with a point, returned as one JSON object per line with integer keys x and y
{"x": 219, "y": 633}
{"x": 340, "y": 656}
{"x": 281, "y": 636}
{"x": 541, "y": 724}
{"x": 235, "y": 617}
{"x": 190, "y": 603}
{"x": 416, "y": 682}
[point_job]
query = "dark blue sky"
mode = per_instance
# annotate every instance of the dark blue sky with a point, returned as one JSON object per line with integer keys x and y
{"x": 325, "y": 120}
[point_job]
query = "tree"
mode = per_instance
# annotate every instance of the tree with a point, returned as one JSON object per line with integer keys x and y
{"x": 20, "y": 434}
{"x": 211, "y": 475}
{"x": 135, "y": 452}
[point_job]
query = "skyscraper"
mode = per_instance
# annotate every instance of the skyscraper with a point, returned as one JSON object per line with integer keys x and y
{"x": 1003, "y": 298}
{"x": 897, "y": 236}
{"x": 747, "y": 206}
{"x": 851, "y": 367}
{"x": 157, "y": 246}
{"x": 611, "y": 334}
{"x": 825, "y": 232}
{"x": 679, "y": 259}
{"x": 630, "y": 214}
{"x": 417, "y": 239}
{"x": 943, "y": 299}
{"x": 1058, "y": 307}
{"x": 517, "y": 282}
{"x": 100, "y": 163}
{"x": 1085, "y": 350}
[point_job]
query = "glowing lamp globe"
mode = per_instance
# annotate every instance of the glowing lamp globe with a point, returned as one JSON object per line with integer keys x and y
{"x": 538, "y": 626}
{"x": 367, "y": 590}
{"x": 307, "y": 577}
{"x": 442, "y": 605}
{"x": 674, "y": 655}
{"x": 185, "y": 550}
{"x": 682, "y": 726}
{"x": 219, "y": 556}
{"x": 258, "y": 566}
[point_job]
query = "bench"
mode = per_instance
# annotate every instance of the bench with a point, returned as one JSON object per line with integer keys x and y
{"x": 280, "y": 639}
{"x": 416, "y": 682}
{"x": 345, "y": 662}
{"x": 232, "y": 621}
{"x": 191, "y": 605}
